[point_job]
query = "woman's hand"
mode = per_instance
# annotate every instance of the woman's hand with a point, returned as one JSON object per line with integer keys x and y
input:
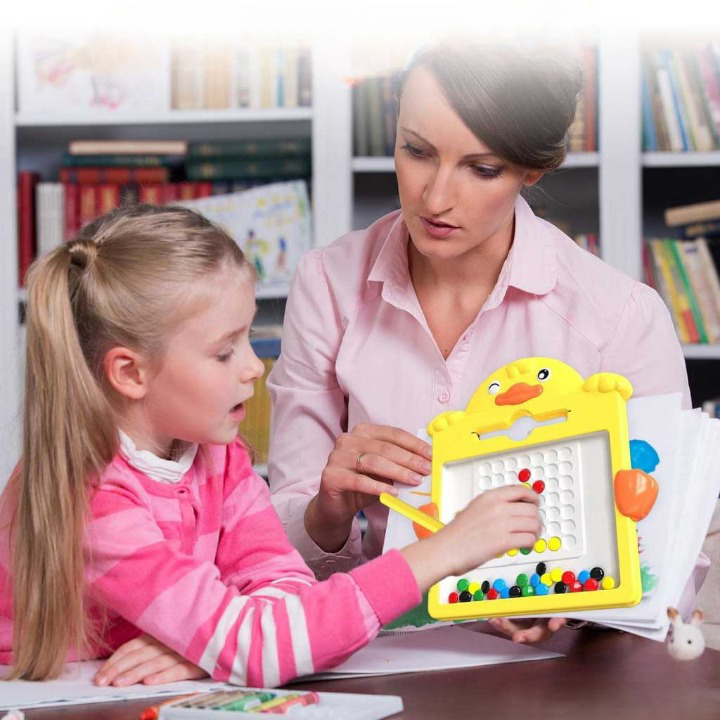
{"x": 363, "y": 464}
{"x": 528, "y": 631}
{"x": 146, "y": 660}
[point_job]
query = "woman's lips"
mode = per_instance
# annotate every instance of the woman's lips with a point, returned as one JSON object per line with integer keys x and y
{"x": 437, "y": 230}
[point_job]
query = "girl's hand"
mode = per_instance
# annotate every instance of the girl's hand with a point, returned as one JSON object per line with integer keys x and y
{"x": 146, "y": 660}
{"x": 363, "y": 464}
{"x": 528, "y": 631}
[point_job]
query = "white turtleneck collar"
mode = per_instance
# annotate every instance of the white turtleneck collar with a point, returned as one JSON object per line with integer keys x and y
{"x": 157, "y": 468}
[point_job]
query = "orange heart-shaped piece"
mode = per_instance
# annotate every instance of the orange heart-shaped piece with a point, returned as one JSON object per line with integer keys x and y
{"x": 430, "y": 509}
{"x": 635, "y": 493}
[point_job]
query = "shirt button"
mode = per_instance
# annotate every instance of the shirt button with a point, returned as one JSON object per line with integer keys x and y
{"x": 443, "y": 397}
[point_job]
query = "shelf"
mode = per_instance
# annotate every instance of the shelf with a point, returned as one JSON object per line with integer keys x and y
{"x": 702, "y": 352}
{"x": 387, "y": 164}
{"x": 272, "y": 291}
{"x": 681, "y": 159}
{"x": 172, "y": 117}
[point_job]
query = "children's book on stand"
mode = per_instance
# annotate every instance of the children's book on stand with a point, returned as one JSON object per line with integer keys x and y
{"x": 627, "y": 488}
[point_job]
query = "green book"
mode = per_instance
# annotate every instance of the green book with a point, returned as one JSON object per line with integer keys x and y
{"x": 230, "y": 169}
{"x": 296, "y": 147}
{"x": 694, "y": 308}
{"x": 130, "y": 161}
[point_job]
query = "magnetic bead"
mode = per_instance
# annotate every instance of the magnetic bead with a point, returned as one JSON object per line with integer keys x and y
{"x": 541, "y": 568}
{"x": 522, "y": 580}
{"x": 473, "y": 587}
{"x": 453, "y": 598}
{"x": 528, "y": 591}
{"x": 478, "y": 595}
{"x": 513, "y": 552}
{"x": 546, "y": 579}
{"x": 525, "y": 551}
{"x": 505, "y": 593}
{"x": 465, "y": 596}
{"x": 492, "y": 594}
{"x": 556, "y": 574}
{"x": 568, "y": 577}
{"x": 608, "y": 583}
{"x": 534, "y": 579}
{"x": 540, "y": 545}
{"x": 524, "y": 475}
{"x": 462, "y": 584}
{"x": 538, "y": 486}
{"x": 527, "y": 485}
{"x": 485, "y": 586}
{"x": 591, "y": 584}
{"x": 597, "y": 573}
{"x": 554, "y": 543}
{"x": 583, "y": 576}
{"x": 542, "y": 589}
{"x": 499, "y": 584}
{"x": 515, "y": 591}
{"x": 560, "y": 588}
{"x": 575, "y": 586}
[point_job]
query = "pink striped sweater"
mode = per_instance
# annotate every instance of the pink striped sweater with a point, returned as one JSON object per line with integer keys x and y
{"x": 205, "y": 567}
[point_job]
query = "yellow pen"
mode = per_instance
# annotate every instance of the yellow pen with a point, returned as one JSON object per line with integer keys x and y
{"x": 410, "y": 512}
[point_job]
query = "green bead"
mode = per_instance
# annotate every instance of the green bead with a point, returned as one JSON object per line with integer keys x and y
{"x": 479, "y": 595}
{"x": 463, "y": 584}
{"x": 528, "y": 590}
{"x": 525, "y": 551}
{"x": 522, "y": 580}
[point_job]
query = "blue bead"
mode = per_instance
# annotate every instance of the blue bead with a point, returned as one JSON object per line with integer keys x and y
{"x": 534, "y": 579}
{"x": 583, "y": 576}
{"x": 542, "y": 589}
{"x": 499, "y": 585}
{"x": 643, "y": 456}
{"x": 505, "y": 592}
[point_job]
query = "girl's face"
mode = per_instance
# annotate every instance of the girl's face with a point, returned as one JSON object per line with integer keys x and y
{"x": 208, "y": 371}
{"x": 456, "y": 194}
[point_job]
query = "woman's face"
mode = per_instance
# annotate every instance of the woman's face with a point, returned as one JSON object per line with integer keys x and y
{"x": 456, "y": 195}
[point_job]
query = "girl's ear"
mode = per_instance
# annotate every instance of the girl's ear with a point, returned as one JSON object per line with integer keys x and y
{"x": 126, "y": 371}
{"x": 697, "y": 617}
{"x": 532, "y": 176}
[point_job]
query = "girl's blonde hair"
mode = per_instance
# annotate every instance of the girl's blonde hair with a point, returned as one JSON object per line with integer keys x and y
{"x": 124, "y": 281}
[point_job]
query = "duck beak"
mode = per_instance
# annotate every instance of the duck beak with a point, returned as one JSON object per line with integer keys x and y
{"x": 518, "y": 394}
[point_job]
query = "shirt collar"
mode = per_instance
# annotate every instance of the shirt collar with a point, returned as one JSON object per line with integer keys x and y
{"x": 157, "y": 468}
{"x": 531, "y": 265}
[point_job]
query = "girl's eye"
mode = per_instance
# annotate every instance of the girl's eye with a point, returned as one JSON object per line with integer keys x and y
{"x": 494, "y": 388}
{"x": 485, "y": 172}
{"x": 543, "y": 375}
{"x": 413, "y": 150}
{"x": 224, "y": 357}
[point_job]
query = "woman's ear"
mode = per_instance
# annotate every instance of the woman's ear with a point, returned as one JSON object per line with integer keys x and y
{"x": 532, "y": 176}
{"x": 126, "y": 371}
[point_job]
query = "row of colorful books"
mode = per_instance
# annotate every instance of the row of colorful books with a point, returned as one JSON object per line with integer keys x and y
{"x": 681, "y": 98}
{"x": 589, "y": 242}
{"x": 109, "y": 72}
{"x": 374, "y": 101}
{"x": 686, "y": 276}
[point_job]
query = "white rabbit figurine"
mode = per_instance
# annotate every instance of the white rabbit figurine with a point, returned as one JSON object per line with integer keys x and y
{"x": 687, "y": 641}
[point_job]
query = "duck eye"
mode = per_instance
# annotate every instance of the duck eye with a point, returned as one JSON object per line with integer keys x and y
{"x": 494, "y": 388}
{"x": 543, "y": 375}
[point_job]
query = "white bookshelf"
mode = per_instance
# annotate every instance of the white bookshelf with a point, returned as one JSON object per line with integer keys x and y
{"x": 681, "y": 159}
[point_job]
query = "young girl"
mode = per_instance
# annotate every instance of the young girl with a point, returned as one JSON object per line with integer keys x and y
{"x": 135, "y": 508}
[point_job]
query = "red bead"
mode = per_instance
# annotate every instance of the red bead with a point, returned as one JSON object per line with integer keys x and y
{"x": 492, "y": 594}
{"x": 538, "y": 486}
{"x": 591, "y": 584}
{"x": 524, "y": 475}
{"x": 454, "y": 597}
{"x": 576, "y": 586}
{"x": 568, "y": 577}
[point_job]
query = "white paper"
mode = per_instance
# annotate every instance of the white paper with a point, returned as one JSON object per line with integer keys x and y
{"x": 75, "y": 687}
{"x": 440, "y": 648}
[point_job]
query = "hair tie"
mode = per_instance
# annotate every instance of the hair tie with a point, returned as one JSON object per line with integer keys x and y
{"x": 82, "y": 253}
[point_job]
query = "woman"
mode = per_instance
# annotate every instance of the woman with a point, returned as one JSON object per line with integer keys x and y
{"x": 389, "y": 326}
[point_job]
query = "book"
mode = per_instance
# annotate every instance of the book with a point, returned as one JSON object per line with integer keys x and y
{"x": 678, "y": 259}
{"x": 127, "y": 147}
{"x": 708, "y": 305}
{"x": 290, "y": 167}
{"x": 694, "y": 213}
{"x": 50, "y": 220}
{"x": 710, "y": 271}
{"x": 27, "y": 182}
{"x": 121, "y": 161}
{"x": 670, "y": 293}
{"x": 153, "y": 175}
{"x": 265, "y": 148}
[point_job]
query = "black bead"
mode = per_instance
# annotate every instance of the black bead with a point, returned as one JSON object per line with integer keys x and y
{"x": 465, "y": 596}
{"x": 515, "y": 591}
{"x": 560, "y": 587}
{"x": 597, "y": 573}
{"x": 541, "y": 569}
{"x": 485, "y": 586}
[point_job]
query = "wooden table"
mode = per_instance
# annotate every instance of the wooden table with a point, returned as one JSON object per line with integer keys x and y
{"x": 606, "y": 676}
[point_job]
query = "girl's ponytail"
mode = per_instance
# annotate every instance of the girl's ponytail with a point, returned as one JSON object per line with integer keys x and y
{"x": 69, "y": 437}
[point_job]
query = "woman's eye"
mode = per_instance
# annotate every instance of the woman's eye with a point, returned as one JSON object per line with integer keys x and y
{"x": 485, "y": 172}
{"x": 413, "y": 150}
{"x": 494, "y": 388}
{"x": 543, "y": 375}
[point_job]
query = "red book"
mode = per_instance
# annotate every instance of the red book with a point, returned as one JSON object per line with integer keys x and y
{"x": 108, "y": 198}
{"x": 90, "y": 175}
{"x": 72, "y": 210}
{"x": 26, "y": 222}
{"x": 203, "y": 189}
{"x": 172, "y": 192}
{"x": 88, "y": 204}
{"x": 152, "y": 194}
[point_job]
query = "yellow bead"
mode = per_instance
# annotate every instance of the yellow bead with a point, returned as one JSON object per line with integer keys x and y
{"x": 513, "y": 552}
{"x": 555, "y": 543}
{"x": 527, "y": 485}
{"x": 607, "y": 583}
{"x": 556, "y": 574}
{"x": 545, "y": 579}
{"x": 473, "y": 587}
{"x": 540, "y": 546}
